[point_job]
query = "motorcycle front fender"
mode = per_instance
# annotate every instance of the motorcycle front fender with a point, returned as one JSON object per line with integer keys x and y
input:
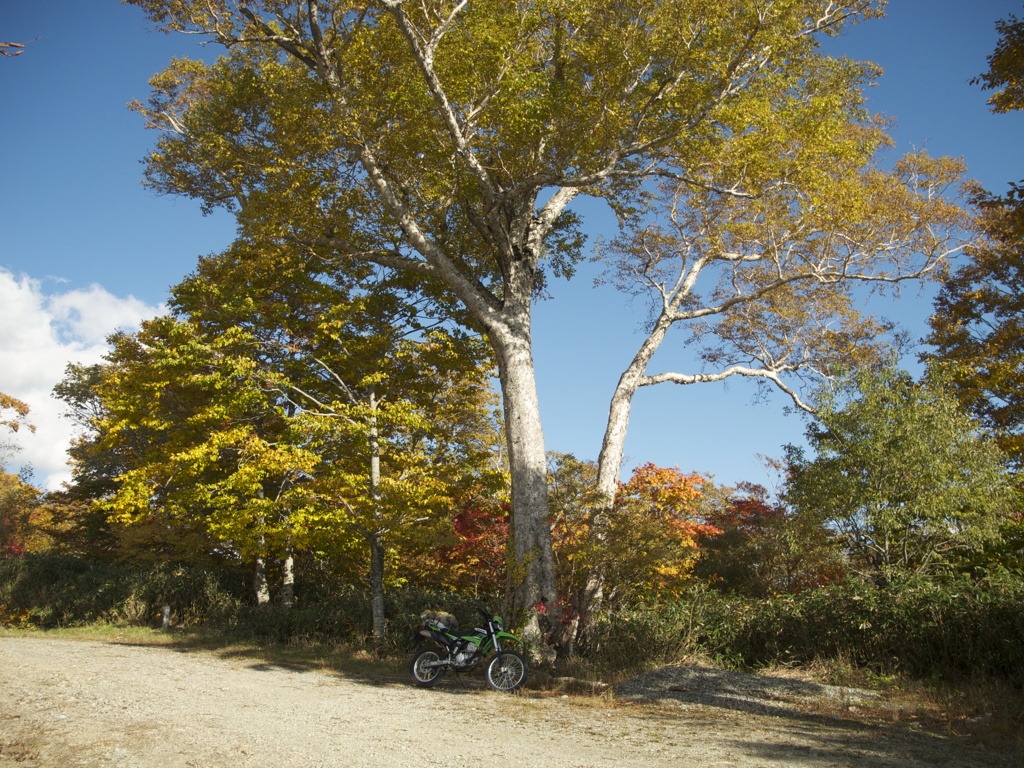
{"x": 501, "y": 637}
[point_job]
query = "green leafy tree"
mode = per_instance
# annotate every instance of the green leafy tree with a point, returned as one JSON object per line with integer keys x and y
{"x": 385, "y": 389}
{"x": 398, "y": 440}
{"x": 1005, "y": 73}
{"x": 977, "y": 328}
{"x": 216, "y": 461}
{"x": 22, "y": 518}
{"x": 761, "y": 547}
{"x": 495, "y": 117}
{"x": 902, "y": 476}
{"x": 13, "y": 417}
{"x": 96, "y": 464}
{"x": 93, "y": 471}
{"x": 304, "y": 413}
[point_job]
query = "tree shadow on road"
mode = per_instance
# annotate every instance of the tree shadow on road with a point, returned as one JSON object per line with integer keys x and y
{"x": 811, "y": 724}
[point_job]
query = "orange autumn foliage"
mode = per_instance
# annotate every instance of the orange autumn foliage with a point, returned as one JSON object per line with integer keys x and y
{"x": 470, "y": 558}
{"x": 657, "y": 518}
{"x": 647, "y": 545}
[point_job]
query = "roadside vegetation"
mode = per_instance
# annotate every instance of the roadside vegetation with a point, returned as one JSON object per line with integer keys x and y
{"x": 943, "y": 654}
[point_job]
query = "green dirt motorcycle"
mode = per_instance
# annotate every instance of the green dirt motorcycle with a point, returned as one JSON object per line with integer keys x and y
{"x": 506, "y": 670}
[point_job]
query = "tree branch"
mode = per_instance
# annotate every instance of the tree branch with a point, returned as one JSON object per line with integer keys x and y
{"x": 736, "y": 370}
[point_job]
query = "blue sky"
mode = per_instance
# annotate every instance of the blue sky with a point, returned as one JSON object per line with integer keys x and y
{"x": 85, "y": 249}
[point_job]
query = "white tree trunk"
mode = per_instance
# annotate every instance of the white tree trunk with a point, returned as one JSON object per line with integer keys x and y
{"x": 376, "y": 539}
{"x": 609, "y": 463}
{"x": 609, "y": 468}
{"x": 259, "y": 582}
{"x": 532, "y": 572}
{"x": 288, "y": 580}
{"x": 377, "y": 585}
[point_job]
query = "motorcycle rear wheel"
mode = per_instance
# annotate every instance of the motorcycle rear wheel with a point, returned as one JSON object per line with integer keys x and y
{"x": 506, "y": 672}
{"x": 423, "y": 673}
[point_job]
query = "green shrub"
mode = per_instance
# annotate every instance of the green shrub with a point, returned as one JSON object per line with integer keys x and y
{"x": 64, "y": 591}
{"x": 50, "y": 591}
{"x": 939, "y": 629}
{"x": 704, "y": 622}
{"x": 923, "y": 628}
{"x": 930, "y": 629}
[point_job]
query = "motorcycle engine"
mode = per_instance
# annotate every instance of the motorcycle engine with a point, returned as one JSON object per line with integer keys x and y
{"x": 465, "y": 654}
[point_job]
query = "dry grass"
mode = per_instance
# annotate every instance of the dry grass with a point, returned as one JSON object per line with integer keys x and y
{"x": 985, "y": 712}
{"x": 96, "y": 632}
{"x": 17, "y": 752}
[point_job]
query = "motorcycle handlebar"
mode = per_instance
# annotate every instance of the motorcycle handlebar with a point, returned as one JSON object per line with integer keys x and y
{"x": 486, "y": 612}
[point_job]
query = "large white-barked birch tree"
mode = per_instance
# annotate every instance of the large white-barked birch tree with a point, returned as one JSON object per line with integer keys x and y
{"x": 447, "y": 138}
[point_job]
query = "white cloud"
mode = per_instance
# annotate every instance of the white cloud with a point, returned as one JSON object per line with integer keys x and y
{"x": 40, "y": 333}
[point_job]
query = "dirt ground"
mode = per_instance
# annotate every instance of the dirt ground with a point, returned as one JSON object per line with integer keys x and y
{"x": 87, "y": 703}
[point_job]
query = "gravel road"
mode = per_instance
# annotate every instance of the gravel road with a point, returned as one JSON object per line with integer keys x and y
{"x": 84, "y": 703}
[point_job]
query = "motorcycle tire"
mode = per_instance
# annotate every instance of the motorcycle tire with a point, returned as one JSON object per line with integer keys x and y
{"x": 506, "y": 672}
{"x": 425, "y": 676}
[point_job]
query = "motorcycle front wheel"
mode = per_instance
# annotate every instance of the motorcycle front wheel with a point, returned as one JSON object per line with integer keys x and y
{"x": 423, "y": 668}
{"x": 506, "y": 672}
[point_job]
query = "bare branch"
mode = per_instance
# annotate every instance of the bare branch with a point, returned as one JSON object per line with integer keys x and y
{"x": 736, "y": 370}
{"x": 424, "y": 56}
{"x": 284, "y": 42}
{"x": 14, "y": 49}
{"x": 835, "y": 14}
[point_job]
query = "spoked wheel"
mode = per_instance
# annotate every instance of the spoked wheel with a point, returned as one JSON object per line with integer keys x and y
{"x": 506, "y": 671}
{"x": 427, "y": 667}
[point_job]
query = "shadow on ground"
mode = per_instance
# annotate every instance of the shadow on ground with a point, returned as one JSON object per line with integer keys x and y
{"x": 800, "y": 714}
